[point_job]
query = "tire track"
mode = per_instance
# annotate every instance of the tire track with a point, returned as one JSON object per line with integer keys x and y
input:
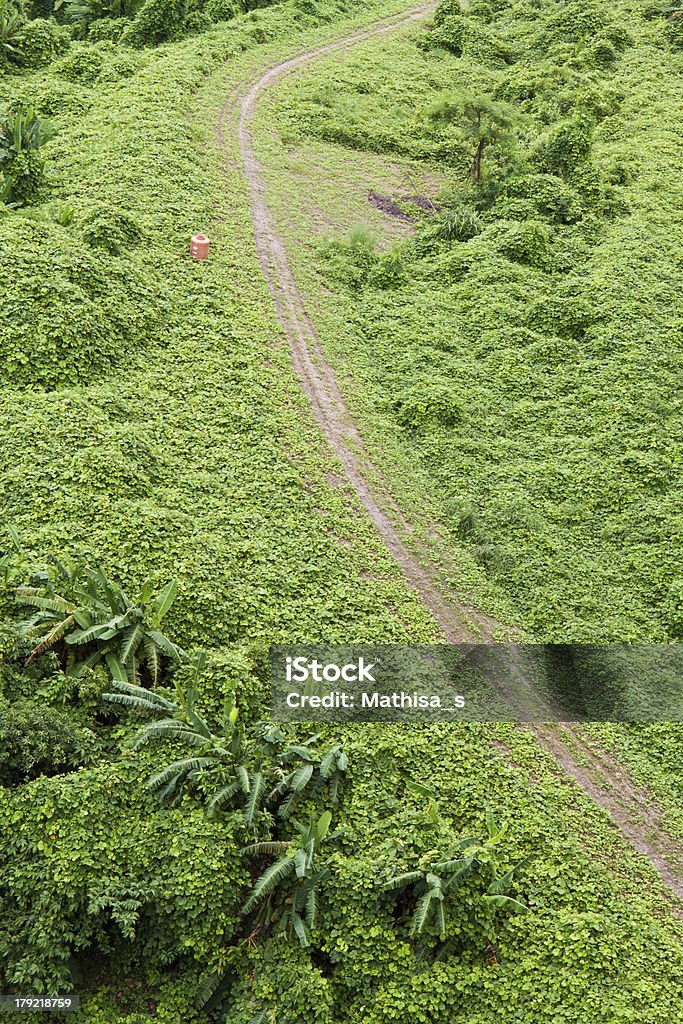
{"x": 458, "y": 623}
{"x": 316, "y": 376}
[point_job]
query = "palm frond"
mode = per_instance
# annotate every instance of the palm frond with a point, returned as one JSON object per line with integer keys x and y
{"x": 278, "y": 846}
{"x": 128, "y": 701}
{"x": 300, "y": 929}
{"x": 243, "y": 778}
{"x": 300, "y": 778}
{"x": 36, "y": 597}
{"x": 131, "y": 641}
{"x": 311, "y": 906}
{"x": 508, "y": 902}
{"x": 421, "y": 913}
{"x": 48, "y": 641}
{"x": 165, "y": 645}
{"x": 451, "y": 865}
{"x": 158, "y": 702}
{"x": 152, "y": 658}
{"x": 168, "y": 727}
{"x": 459, "y": 876}
{"x": 499, "y": 885}
{"x": 165, "y": 599}
{"x": 440, "y": 918}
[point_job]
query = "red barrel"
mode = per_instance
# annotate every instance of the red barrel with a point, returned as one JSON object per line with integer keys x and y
{"x": 199, "y": 247}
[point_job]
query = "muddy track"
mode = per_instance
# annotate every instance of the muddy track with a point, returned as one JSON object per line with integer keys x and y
{"x": 317, "y": 377}
{"x": 458, "y": 623}
{"x": 630, "y": 806}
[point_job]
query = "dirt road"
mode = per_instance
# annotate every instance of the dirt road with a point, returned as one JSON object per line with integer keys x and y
{"x": 601, "y": 777}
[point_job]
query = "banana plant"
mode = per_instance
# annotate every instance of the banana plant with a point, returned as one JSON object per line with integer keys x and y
{"x": 11, "y": 29}
{"x": 22, "y": 135}
{"x": 93, "y": 621}
{"x": 426, "y": 793}
{"x": 436, "y": 881}
{"x": 233, "y": 768}
{"x": 10, "y": 561}
{"x": 287, "y": 892}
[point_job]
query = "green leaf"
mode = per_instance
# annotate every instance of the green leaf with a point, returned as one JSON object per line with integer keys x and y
{"x": 300, "y": 929}
{"x": 269, "y": 881}
{"x": 401, "y": 881}
{"x": 508, "y": 903}
{"x": 258, "y": 786}
{"x": 300, "y": 778}
{"x": 323, "y": 825}
{"x": 118, "y": 672}
{"x": 165, "y": 599}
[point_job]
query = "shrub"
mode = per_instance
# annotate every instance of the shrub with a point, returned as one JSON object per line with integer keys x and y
{"x": 53, "y": 98}
{"x": 565, "y": 314}
{"x": 107, "y": 30}
{"x": 550, "y": 195}
{"x": 459, "y": 223}
{"x": 156, "y": 22}
{"x": 351, "y": 260}
{"x": 68, "y": 313}
{"x": 279, "y": 979}
{"x": 38, "y": 740}
{"x": 448, "y": 34}
{"x": 526, "y": 242}
{"x": 90, "y": 620}
{"x": 576, "y": 20}
{"x": 81, "y": 65}
{"x": 600, "y": 53}
{"x": 41, "y": 42}
{"x": 223, "y": 10}
{"x": 89, "y": 855}
{"x": 11, "y": 32}
{"x": 120, "y": 65}
{"x": 110, "y": 228}
{"x": 567, "y": 145}
{"x": 436, "y": 405}
{"x": 673, "y": 31}
{"x": 84, "y": 13}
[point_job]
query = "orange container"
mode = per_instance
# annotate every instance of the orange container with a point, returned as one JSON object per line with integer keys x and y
{"x": 199, "y": 247}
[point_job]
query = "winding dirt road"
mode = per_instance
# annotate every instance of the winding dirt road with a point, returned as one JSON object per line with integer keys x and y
{"x": 317, "y": 377}
{"x": 600, "y": 777}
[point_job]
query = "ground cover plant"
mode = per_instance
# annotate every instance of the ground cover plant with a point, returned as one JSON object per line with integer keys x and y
{"x": 170, "y": 510}
{"x": 522, "y": 343}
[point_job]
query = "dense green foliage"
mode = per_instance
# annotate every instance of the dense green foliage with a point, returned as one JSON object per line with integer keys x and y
{"x": 527, "y": 341}
{"x": 151, "y": 426}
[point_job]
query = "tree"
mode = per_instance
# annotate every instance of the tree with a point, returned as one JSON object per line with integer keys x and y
{"x": 485, "y": 123}
{"x": 298, "y": 876}
{"x": 94, "y": 621}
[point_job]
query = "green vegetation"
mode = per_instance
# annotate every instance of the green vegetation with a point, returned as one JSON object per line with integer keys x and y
{"x": 523, "y": 355}
{"x": 166, "y": 493}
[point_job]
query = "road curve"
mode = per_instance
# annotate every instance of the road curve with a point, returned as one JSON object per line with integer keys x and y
{"x": 605, "y": 782}
{"x": 317, "y": 378}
